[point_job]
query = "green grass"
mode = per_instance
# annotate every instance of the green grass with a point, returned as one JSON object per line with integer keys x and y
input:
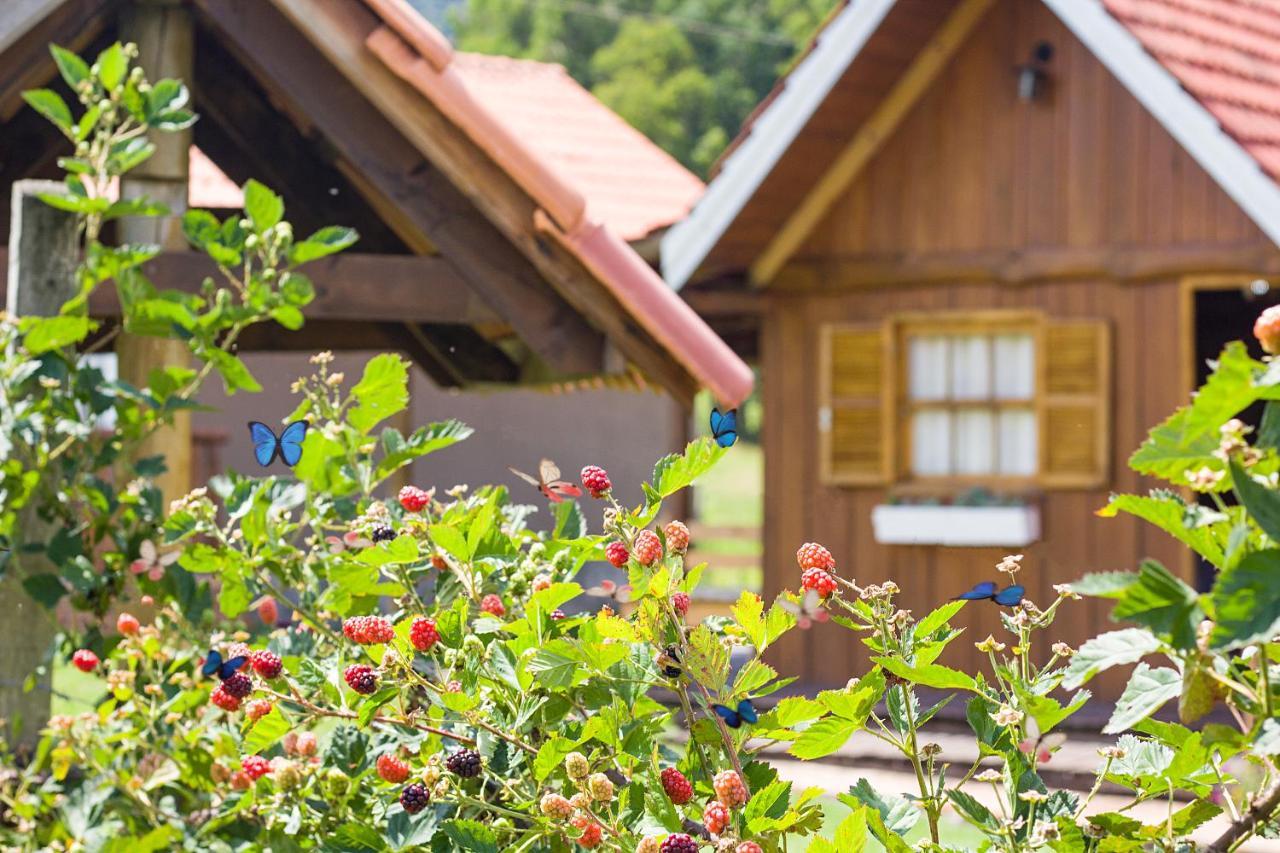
{"x": 75, "y": 692}
{"x": 732, "y": 493}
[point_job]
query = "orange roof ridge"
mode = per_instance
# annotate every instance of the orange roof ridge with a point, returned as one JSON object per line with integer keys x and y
{"x": 400, "y": 45}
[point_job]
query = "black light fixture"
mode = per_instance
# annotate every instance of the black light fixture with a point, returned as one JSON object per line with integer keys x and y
{"x": 1032, "y": 74}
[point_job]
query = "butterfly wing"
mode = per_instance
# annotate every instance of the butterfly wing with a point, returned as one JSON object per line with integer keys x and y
{"x": 724, "y": 427}
{"x": 984, "y": 590}
{"x": 147, "y": 551}
{"x": 265, "y": 443}
{"x": 1010, "y": 596}
{"x": 549, "y": 471}
{"x": 730, "y": 716}
{"x": 523, "y": 476}
{"x": 564, "y": 488}
{"x": 231, "y": 667}
{"x": 291, "y": 442}
{"x": 747, "y": 711}
{"x": 212, "y": 662}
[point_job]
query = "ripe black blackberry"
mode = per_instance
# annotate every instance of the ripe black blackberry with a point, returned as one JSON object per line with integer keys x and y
{"x": 464, "y": 762}
{"x": 679, "y": 843}
{"x": 414, "y": 797}
{"x": 238, "y": 685}
{"x": 382, "y": 533}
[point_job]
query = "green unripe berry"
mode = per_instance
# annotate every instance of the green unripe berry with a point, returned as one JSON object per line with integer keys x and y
{"x": 576, "y": 765}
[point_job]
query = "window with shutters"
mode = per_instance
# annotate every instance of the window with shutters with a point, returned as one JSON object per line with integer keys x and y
{"x": 1001, "y": 399}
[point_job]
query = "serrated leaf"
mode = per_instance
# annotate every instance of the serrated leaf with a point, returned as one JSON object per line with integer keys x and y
{"x": 325, "y": 242}
{"x": 675, "y": 472}
{"x": 899, "y": 814}
{"x": 823, "y": 738}
{"x": 1246, "y": 601}
{"x": 263, "y": 207}
{"x": 264, "y": 732}
{"x": 1263, "y": 503}
{"x": 1148, "y": 690}
{"x": 50, "y": 105}
{"x": 382, "y": 391}
{"x": 1104, "y": 651}
{"x": 1170, "y": 513}
{"x": 931, "y": 675}
{"x": 1163, "y": 603}
{"x": 1104, "y": 584}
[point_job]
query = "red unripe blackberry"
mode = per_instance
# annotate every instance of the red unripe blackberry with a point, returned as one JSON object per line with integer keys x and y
{"x": 223, "y": 699}
{"x": 255, "y": 765}
{"x": 257, "y": 709}
{"x": 423, "y": 634}
{"x": 811, "y": 555}
{"x": 729, "y": 788}
{"x": 678, "y": 842}
{"x": 464, "y": 762}
{"x": 716, "y": 817}
{"x": 268, "y": 611}
{"x": 413, "y": 499}
{"x": 127, "y": 624}
{"x": 85, "y": 660}
{"x": 414, "y": 797}
{"x": 821, "y": 582}
{"x": 596, "y": 481}
{"x": 361, "y": 678}
{"x": 368, "y": 630}
{"x": 616, "y": 553}
{"x": 453, "y": 686}
{"x": 1267, "y": 329}
{"x": 677, "y": 537}
{"x": 748, "y": 847}
{"x": 493, "y": 605}
{"x": 678, "y": 789}
{"x": 238, "y": 685}
{"x": 592, "y": 834}
{"x": 241, "y": 781}
{"x": 381, "y": 533}
{"x": 392, "y": 769}
{"x": 680, "y": 602}
{"x": 265, "y": 663}
{"x": 648, "y": 547}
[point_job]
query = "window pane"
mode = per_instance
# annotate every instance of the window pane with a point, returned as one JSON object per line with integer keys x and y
{"x": 971, "y": 368}
{"x": 931, "y": 444}
{"x": 1015, "y": 367}
{"x": 1018, "y": 442}
{"x": 927, "y": 358}
{"x": 975, "y": 442}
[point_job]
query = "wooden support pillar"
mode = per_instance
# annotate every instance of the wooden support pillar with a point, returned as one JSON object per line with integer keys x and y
{"x": 165, "y": 36}
{"x": 43, "y": 254}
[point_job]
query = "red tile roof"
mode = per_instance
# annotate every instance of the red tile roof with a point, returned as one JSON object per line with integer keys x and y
{"x": 630, "y": 184}
{"x": 1226, "y": 53}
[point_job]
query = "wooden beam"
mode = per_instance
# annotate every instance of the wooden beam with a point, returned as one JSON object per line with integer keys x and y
{"x": 870, "y": 137}
{"x": 1025, "y": 266}
{"x": 400, "y": 182}
{"x": 350, "y": 287}
{"x": 25, "y": 62}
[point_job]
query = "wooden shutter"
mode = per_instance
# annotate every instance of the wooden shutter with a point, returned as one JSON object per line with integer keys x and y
{"x": 1075, "y": 404}
{"x": 854, "y": 425}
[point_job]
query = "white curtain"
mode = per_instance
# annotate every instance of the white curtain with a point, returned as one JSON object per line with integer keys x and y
{"x": 1019, "y": 441}
{"x": 927, "y": 359}
{"x": 1015, "y": 371}
{"x": 931, "y": 444}
{"x": 975, "y": 442}
{"x": 971, "y": 368}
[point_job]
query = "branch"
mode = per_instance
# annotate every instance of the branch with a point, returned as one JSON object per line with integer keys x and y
{"x": 1258, "y": 813}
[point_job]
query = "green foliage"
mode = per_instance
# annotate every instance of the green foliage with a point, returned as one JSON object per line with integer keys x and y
{"x": 684, "y": 73}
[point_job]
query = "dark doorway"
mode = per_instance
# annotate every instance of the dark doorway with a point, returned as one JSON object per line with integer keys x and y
{"x": 1223, "y": 316}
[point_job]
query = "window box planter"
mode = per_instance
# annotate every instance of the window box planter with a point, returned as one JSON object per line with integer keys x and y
{"x": 962, "y": 526}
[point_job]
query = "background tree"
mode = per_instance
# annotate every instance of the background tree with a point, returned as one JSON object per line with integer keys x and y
{"x": 684, "y": 72}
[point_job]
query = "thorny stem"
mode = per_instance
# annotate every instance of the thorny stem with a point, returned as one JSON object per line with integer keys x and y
{"x": 318, "y": 711}
{"x": 1263, "y": 807}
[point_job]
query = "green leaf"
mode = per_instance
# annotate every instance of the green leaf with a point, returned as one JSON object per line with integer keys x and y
{"x": 43, "y": 334}
{"x": 401, "y": 549}
{"x": 370, "y": 705}
{"x": 851, "y": 833}
{"x": 112, "y": 65}
{"x": 45, "y": 588}
{"x": 263, "y": 207}
{"x": 268, "y": 729}
{"x": 233, "y": 597}
{"x": 571, "y": 523}
{"x": 550, "y": 755}
{"x": 235, "y": 373}
{"x": 72, "y": 68}
{"x": 1104, "y": 584}
{"x": 1170, "y": 513}
{"x": 1194, "y": 815}
{"x": 931, "y": 675}
{"x": 554, "y": 671}
{"x": 707, "y": 660}
{"x": 899, "y": 814}
{"x": 50, "y": 105}
{"x": 1163, "y": 603}
{"x": 325, "y": 242}
{"x": 824, "y": 737}
{"x": 471, "y": 835}
{"x": 1148, "y": 690}
{"x": 1246, "y": 601}
{"x": 675, "y": 472}
{"x": 451, "y": 540}
{"x": 1263, "y": 503}
{"x": 855, "y": 703}
{"x": 382, "y": 391}
{"x": 1104, "y": 651}
{"x": 972, "y": 810}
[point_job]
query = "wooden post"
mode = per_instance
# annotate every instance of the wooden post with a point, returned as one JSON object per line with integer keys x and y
{"x": 165, "y": 36}
{"x": 43, "y": 253}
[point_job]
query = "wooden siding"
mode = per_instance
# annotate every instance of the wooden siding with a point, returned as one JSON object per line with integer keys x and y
{"x": 973, "y": 169}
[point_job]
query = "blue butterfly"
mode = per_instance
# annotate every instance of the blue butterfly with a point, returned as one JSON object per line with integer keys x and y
{"x": 1010, "y": 596}
{"x": 266, "y": 447}
{"x": 724, "y": 427}
{"x": 745, "y": 713}
{"x": 225, "y": 669}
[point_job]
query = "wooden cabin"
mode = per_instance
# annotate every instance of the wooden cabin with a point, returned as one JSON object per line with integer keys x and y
{"x": 984, "y": 246}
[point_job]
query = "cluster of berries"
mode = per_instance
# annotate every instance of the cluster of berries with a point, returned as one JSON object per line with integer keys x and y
{"x": 596, "y": 481}
{"x": 413, "y": 499}
{"x": 731, "y": 793}
{"x": 368, "y": 630}
{"x": 817, "y": 564}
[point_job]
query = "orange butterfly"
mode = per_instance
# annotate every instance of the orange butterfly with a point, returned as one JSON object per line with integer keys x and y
{"x": 550, "y": 485}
